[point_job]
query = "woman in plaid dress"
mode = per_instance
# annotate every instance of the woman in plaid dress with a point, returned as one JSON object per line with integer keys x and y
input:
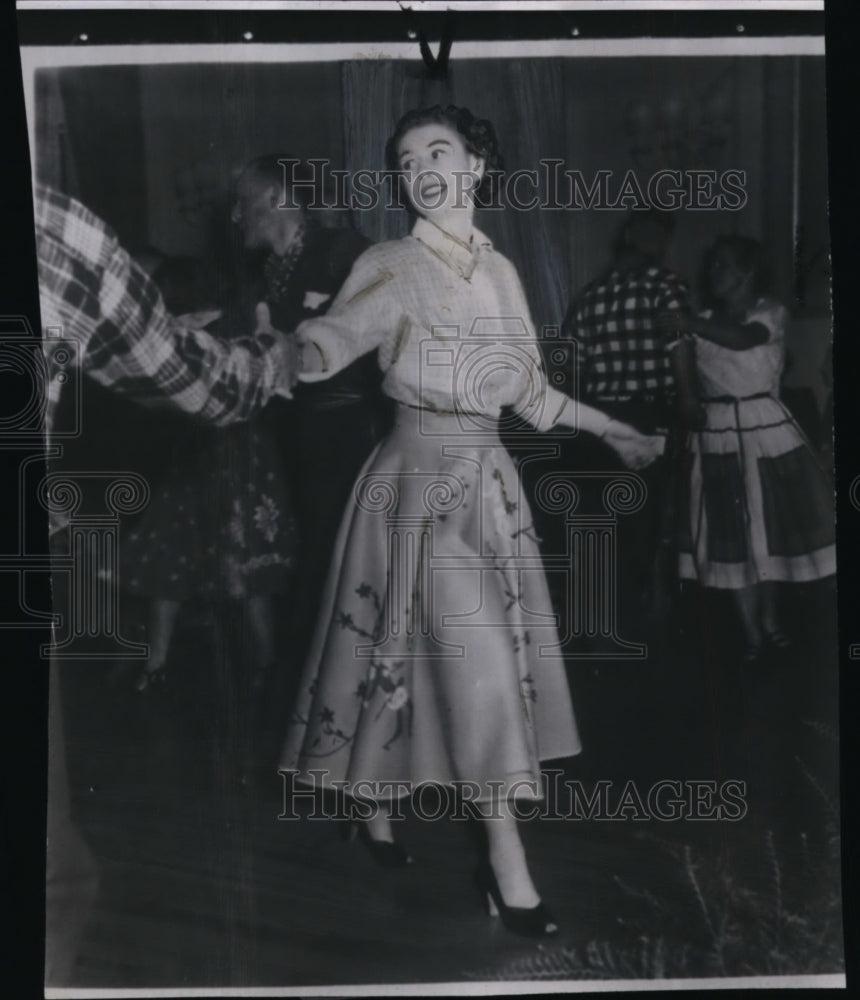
{"x": 760, "y": 508}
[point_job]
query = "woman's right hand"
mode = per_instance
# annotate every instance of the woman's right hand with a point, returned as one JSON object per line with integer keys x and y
{"x": 675, "y": 323}
{"x": 635, "y": 450}
{"x": 286, "y": 350}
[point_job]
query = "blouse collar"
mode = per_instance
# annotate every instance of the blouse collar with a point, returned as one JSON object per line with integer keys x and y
{"x": 460, "y": 256}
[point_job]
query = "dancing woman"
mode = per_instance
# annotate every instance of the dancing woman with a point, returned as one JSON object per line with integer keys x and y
{"x": 451, "y": 677}
{"x": 760, "y": 508}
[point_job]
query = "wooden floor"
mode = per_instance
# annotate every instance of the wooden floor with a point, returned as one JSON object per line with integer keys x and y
{"x": 201, "y": 883}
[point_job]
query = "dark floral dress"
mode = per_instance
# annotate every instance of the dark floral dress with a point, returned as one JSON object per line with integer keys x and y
{"x": 222, "y": 520}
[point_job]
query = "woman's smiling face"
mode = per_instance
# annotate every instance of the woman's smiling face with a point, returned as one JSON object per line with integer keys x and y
{"x": 440, "y": 174}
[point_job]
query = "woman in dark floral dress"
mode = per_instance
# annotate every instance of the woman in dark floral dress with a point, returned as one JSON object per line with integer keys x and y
{"x": 222, "y": 522}
{"x": 219, "y": 524}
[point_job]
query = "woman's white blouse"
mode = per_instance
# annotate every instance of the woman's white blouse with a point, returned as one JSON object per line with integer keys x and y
{"x": 451, "y": 324}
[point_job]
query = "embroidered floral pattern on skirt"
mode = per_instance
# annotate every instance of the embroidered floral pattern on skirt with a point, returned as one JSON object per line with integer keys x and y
{"x": 433, "y": 659}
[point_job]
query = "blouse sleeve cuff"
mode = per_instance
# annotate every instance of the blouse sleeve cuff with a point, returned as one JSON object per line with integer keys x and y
{"x": 552, "y": 406}
{"x": 316, "y": 374}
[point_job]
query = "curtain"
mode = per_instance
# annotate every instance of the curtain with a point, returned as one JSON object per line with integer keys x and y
{"x": 55, "y": 165}
{"x": 523, "y": 98}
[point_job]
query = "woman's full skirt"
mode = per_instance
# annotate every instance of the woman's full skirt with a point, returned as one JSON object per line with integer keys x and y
{"x": 435, "y": 657}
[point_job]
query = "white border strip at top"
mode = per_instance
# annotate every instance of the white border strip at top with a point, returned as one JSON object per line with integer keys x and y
{"x": 114, "y": 55}
{"x": 384, "y": 6}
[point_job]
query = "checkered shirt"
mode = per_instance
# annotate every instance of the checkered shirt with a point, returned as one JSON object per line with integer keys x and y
{"x": 621, "y": 355}
{"x": 97, "y": 300}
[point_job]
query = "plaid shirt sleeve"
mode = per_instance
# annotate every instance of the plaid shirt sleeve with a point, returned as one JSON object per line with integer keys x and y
{"x": 99, "y": 297}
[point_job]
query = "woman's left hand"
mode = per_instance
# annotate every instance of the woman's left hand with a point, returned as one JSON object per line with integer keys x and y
{"x": 200, "y": 319}
{"x": 635, "y": 450}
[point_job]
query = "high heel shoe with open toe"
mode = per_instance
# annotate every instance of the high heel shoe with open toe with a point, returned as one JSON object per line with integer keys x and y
{"x": 386, "y": 853}
{"x": 534, "y": 922}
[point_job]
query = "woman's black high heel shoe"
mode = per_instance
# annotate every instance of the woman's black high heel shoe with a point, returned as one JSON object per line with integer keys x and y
{"x": 385, "y": 853}
{"x": 778, "y": 641}
{"x": 148, "y": 679}
{"x": 536, "y": 922}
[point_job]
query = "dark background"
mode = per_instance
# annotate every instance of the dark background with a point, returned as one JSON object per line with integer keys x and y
{"x": 24, "y": 695}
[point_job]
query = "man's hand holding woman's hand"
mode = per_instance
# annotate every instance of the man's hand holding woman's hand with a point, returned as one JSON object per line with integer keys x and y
{"x": 286, "y": 350}
{"x": 635, "y": 450}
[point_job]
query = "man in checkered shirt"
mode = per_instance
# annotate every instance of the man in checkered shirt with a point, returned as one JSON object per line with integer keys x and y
{"x": 627, "y": 368}
{"x": 623, "y": 362}
{"x": 92, "y": 292}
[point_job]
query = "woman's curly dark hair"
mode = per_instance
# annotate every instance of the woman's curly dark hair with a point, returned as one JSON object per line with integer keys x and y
{"x": 478, "y": 134}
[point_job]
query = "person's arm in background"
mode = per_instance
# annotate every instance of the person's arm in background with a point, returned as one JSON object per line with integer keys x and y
{"x": 675, "y": 324}
{"x": 682, "y": 356}
{"x": 734, "y": 336}
{"x": 99, "y": 297}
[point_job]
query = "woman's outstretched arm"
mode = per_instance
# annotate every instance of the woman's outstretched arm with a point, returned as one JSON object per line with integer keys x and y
{"x": 734, "y": 335}
{"x": 361, "y": 316}
{"x": 635, "y": 450}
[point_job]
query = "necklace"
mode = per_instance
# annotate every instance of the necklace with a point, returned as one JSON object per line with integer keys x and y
{"x": 278, "y": 270}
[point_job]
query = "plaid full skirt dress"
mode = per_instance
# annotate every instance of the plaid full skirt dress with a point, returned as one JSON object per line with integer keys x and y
{"x": 757, "y": 505}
